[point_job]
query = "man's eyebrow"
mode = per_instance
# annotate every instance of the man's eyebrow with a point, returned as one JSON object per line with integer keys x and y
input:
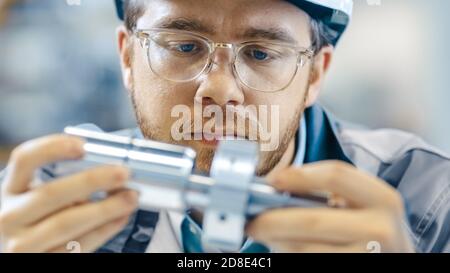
{"x": 184, "y": 24}
{"x": 275, "y": 34}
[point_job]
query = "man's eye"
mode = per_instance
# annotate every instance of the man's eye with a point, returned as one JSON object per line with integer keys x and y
{"x": 259, "y": 55}
{"x": 186, "y": 48}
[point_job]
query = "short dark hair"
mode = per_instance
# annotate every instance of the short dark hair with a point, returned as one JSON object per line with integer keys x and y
{"x": 133, "y": 10}
{"x": 320, "y": 36}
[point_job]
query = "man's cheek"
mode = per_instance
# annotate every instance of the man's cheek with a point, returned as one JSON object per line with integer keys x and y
{"x": 269, "y": 128}
{"x": 180, "y": 128}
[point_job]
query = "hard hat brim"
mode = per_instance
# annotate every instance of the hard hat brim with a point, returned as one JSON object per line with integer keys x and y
{"x": 335, "y": 14}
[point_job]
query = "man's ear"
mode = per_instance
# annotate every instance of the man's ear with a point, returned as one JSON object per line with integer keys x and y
{"x": 125, "y": 52}
{"x": 319, "y": 69}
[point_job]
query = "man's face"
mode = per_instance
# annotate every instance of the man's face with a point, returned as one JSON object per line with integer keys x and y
{"x": 220, "y": 21}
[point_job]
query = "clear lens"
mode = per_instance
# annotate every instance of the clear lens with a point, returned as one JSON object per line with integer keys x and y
{"x": 177, "y": 57}
{"x": 266, "y": 67}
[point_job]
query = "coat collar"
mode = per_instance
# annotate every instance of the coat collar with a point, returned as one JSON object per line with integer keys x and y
{"x": 322, "y": 142}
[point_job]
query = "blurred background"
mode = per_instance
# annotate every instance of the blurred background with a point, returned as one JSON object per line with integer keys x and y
{"x": 59, "y": 66}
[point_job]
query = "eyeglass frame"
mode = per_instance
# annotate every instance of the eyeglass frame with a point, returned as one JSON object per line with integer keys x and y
{"x": 144, "y": 41}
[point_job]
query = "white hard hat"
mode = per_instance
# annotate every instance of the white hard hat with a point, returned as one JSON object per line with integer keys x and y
{"x": 335, "y": 14}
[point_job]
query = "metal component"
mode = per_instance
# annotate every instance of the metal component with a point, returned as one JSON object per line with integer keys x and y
{"x": 162, "y": 174}
{"x": 233, "y": 169}
{"x": 158, "y": 170}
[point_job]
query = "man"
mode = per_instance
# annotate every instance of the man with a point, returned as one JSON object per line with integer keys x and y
{"x": 389, "y": 189}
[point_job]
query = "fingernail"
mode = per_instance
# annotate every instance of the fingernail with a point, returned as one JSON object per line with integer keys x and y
{"x": 77, "y": 147}
{"x": 131, "y": 197}
{"x": 275, "y": 181}
{"x": 121, "y": 174}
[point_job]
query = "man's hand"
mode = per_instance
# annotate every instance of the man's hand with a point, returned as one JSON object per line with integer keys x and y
{"x": 374, "y": 212}
{"x": 47, "y": 217}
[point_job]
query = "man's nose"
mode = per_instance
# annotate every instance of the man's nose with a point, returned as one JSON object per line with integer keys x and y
{"x": 219, "y": 85}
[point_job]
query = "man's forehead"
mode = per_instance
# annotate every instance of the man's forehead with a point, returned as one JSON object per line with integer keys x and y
{"x": 237, "y": 19}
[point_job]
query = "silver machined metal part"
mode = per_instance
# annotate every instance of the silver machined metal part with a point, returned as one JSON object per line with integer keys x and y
{"x": 159, "y": 171}
{"x": 233, "y": 169}
{"x": 163, "y": 175}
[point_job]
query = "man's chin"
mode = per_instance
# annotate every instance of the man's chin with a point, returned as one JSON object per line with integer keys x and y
{"x": 205, "y": 155}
